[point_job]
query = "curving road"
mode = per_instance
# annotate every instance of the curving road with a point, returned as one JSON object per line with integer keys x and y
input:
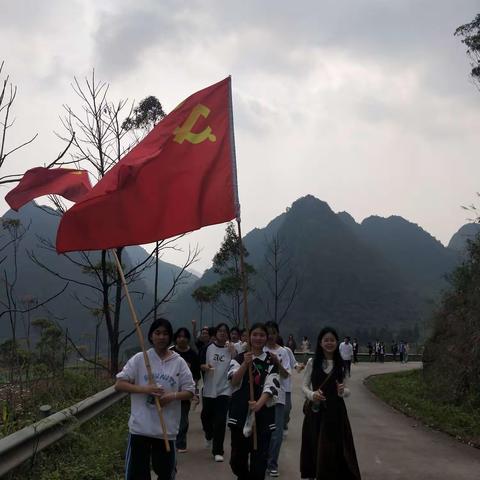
{"x": 390, "y": 446}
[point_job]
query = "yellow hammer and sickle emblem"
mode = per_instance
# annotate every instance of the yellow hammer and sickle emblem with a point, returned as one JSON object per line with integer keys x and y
{"x": 184, "y": 132}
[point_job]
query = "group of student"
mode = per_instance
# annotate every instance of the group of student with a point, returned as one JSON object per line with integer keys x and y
{"x": 232, "y": 366}
{"x": 377, "y": 350}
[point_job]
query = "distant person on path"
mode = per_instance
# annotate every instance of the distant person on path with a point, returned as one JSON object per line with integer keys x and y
{"x": 402, "y": 351}
{"x": 291, "y": 343}
{"x": 174, "y": 384}
{"x": 381, "y": 352}
{"x": 181, "y": 340}
{"x": 406, "y": 351}
{"x": 394, "y": 349}
{"x": 376, "y": 350}
{"x": 202, "y": 340}
{"x": 288, "y": 386}
{"x": 305, "y": 346}
{"x": 244, "y": 335}
{"x": 281, "y": 359}
{"x": 346, "y": 352}
{"x": 214, "y": 363}
{"x": 235, "y": 335}
{"x": 327, "y": 450}
{"x": 266, "y": 386}
{"x": 370, "y": 350}
{"x": 235, "y": 339}
{"x": 355, "y": 350}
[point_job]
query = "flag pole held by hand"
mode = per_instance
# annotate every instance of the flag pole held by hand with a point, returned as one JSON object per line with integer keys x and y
{"x": 247, "y": 326}
{"x": 142, "y": 345}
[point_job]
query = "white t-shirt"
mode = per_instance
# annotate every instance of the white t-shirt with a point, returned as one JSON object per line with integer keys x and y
{"x": 173, "y": 375}
{"x": 346, "y": 351}
{"x": 240, "y": 346}
{"x": 284, "y": 359}
{"x": 293, "y": 362}
{"x": 215, "y": 382}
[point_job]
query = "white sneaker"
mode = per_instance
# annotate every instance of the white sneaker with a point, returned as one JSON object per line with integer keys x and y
{"x": 208, "y": 443}
{"x": 219, "y": 458}
{"x": 273, "y": 473}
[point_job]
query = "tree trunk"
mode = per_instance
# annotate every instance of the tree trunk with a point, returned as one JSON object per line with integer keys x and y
{"x": 114, "y": 344}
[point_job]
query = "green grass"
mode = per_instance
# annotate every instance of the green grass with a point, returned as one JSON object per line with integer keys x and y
{"x": 407, "y": 392}
{"x": 20, "y": 407}
{"x": 92, "y": 451}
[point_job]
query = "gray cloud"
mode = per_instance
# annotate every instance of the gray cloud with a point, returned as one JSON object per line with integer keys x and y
{"x": 360, "y": 94}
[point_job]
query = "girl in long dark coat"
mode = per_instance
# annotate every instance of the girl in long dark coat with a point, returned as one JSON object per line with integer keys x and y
{"x": 327, "y": 452}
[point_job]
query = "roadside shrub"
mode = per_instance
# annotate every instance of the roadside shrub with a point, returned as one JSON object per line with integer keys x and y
{"x": 452, "y": 353}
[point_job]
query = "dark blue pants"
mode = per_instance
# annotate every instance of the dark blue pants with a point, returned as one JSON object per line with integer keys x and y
{"x": 141, "y": 450}
{"x": 214, "y": 421}
{"x": 181, "y": 441}
{"x": 246, "y": 468}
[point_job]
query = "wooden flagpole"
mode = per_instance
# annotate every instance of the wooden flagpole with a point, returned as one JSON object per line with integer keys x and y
{"x": 142, "y": 345}
{"x": 246, "y": 324}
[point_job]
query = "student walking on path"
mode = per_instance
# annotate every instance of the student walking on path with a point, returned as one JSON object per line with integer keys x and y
{"x": 346, "y": 352}
{"x": 282, "y": 360}
{"x": 181, "y": 340}
{"x": 288, "y": 389}
{"x": 215, "y": 360}
{"x": 291, "y": 343}
{"x": 173, "y": 384}
{"x": 355, "y": 350}
{"x": 327, "y": 450}
{"x": 247, "y": 463}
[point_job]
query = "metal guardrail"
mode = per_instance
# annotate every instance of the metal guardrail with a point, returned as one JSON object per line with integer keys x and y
{"x": 363, "y": 357}
{"x": 27, "y": 442}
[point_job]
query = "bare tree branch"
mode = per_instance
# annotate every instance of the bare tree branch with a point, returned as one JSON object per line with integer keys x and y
{"x": 37, "y": 305}
{"x": 62, "y": 154}
{"x": 177, "y": 280}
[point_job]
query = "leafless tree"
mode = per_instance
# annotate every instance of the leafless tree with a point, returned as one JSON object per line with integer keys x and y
{"x": 99, "y": 140}
{"x": 280, "y": 280}
{"x": 10, "y": 304}
{"x": 8, "y": 93}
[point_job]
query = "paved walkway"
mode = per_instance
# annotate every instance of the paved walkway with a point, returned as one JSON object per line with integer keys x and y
{"x": 389, "y": 445}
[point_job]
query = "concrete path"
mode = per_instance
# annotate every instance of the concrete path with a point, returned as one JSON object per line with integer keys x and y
{"x": 390, "y": 446}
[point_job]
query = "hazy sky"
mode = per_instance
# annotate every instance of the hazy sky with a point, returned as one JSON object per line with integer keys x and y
{"x": 366, "y": 104}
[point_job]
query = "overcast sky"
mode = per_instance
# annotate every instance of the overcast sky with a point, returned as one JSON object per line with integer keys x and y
{"x": 366, "y": 104}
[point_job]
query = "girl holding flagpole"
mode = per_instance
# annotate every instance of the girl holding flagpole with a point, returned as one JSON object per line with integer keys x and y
{"x": 146, "y": 448}
{"x": 245, "y": 461}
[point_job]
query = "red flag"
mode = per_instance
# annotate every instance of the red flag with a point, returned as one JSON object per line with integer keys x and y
{"x": 69, "y": 183}
{"x": 181, "y": 177}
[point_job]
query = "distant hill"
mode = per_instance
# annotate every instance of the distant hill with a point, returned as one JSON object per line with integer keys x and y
{"x": 459, "y": 240}
{"x": 166, "y": 271}
{"x": 385, "y": 273}
{"x": 36, "y": 283}
{"x": 421, "y": 259}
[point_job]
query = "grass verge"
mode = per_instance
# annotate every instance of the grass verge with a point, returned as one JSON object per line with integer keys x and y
{"x": 93, "y": 451}
{"x": 407, "y": 392}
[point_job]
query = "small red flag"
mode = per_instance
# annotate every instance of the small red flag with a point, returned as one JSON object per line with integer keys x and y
{"x": 181, "y": 177}
{"x": 39, "y": 181}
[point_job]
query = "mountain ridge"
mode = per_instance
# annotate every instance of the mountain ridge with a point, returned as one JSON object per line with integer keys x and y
{"x": 382, "y": 272}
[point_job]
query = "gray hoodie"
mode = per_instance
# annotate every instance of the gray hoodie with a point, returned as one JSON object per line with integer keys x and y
{"x": 173, "y": 375}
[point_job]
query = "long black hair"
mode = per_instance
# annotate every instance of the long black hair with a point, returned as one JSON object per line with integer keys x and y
{"x": 258, "y": 325}
{"x": 181, "y": 331}
{"x": 319, "y": 357}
